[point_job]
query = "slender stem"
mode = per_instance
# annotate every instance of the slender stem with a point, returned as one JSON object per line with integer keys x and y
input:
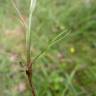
{"x": 28, "y": 40}
{"x": 28, "y": 34}
{"x": 28, "y": 46}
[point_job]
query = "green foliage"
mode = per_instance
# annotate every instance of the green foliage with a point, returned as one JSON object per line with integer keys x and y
{"x": 67, "y": 67}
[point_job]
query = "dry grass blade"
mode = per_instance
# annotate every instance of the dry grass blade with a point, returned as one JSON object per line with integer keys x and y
{"x": 19, "y": 14}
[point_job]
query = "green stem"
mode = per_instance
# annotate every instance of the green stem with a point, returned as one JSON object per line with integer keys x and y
{"x": 28, "y": 34}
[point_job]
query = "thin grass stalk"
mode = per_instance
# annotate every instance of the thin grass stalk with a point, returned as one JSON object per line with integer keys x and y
{"x": 29, "y": 33}
{"x": 28, "y": 46}
{"x": 28, "y": 40}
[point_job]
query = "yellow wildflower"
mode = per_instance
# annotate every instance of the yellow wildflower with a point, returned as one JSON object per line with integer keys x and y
{"x": 72, "y": 50}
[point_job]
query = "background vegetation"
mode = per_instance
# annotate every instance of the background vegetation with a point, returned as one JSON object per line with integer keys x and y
{"x": 69, "y": 67}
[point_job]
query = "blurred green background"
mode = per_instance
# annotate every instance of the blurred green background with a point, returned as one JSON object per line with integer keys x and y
{"x": 69, "y": 67}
